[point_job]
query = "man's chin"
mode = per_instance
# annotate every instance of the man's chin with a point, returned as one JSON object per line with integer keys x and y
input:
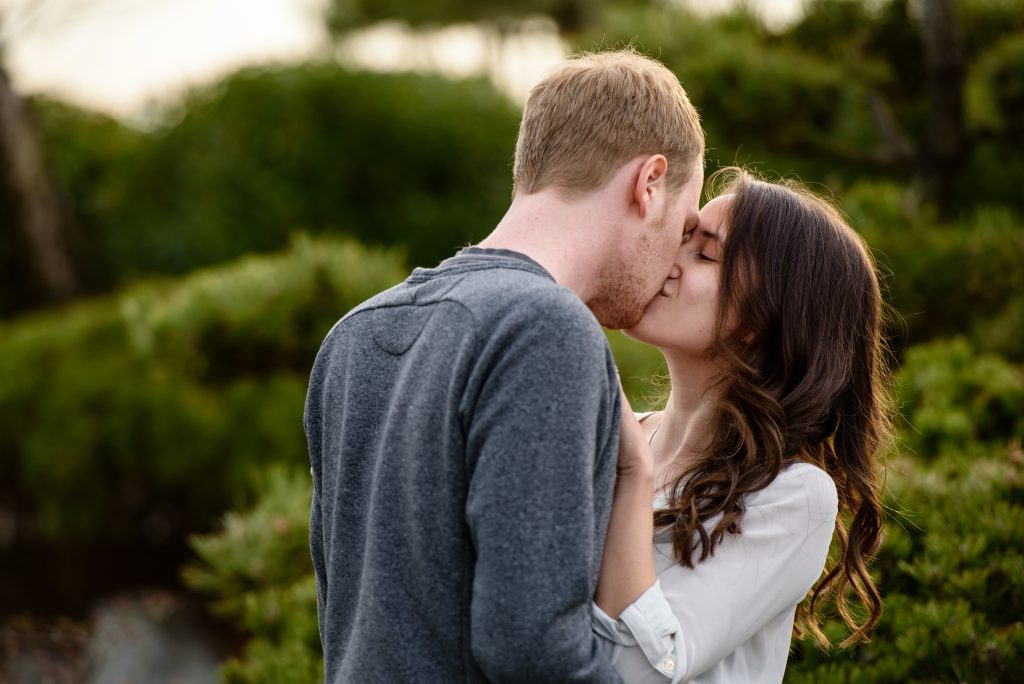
{"x": 619, "y": 318}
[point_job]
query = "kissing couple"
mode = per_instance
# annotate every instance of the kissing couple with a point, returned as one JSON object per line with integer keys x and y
{"x": 487, "y": 507}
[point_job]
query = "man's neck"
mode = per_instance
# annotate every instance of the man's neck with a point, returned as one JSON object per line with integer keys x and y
{"x": 559, "y": 235}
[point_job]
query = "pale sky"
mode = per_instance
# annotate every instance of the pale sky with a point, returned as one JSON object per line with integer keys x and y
{"x": 122, "y": 56}
{"x": 117, "y": 55}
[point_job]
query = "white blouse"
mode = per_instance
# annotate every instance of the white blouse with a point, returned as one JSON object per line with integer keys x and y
{"x": 730, "y": 618}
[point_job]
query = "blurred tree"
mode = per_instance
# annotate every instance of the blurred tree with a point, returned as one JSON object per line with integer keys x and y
{"x": 985, "y": 22}
{"x": 764, "y": 98}
{"x": 919, "y": 86}
{"x": 409, "y": 160}
{"x": 36, "y": 222}
{"x": 92, "y": 157}
{"x": 499, "y": 19}
{"x": 941, "y": 88}
{"x": 942, "y": 156}
{"x": 882, "y": 49}
{"x": 853, "y": 89}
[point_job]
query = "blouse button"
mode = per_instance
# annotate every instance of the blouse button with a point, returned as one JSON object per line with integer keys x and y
{"x": 669, "y": 664}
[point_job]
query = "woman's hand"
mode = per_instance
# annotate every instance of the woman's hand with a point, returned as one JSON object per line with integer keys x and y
{"x": 635, "y": 456}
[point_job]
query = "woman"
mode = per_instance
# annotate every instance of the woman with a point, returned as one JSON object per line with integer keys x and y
{"x": 770, "y": 325}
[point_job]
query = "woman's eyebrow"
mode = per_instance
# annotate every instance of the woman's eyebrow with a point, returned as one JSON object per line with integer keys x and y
{"x": 710, "y": 234}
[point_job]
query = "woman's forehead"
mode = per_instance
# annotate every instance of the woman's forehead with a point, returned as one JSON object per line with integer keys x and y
{"x": 713, "y": 216}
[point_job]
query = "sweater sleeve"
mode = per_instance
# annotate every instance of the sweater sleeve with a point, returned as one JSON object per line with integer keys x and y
{"x": 693, "y": 618}
{"x": 545, "y": 414}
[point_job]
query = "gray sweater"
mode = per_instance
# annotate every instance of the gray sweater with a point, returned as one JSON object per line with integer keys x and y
{"x": 463, "y": 436}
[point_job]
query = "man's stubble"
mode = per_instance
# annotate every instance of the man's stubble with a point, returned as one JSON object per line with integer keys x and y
{"x": 623, "y": 294}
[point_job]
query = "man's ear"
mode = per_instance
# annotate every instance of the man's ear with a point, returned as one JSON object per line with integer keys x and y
{"x": 649, "y": 185}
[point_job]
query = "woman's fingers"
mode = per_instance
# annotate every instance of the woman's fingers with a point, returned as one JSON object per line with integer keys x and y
{"x": 634, "y": 452}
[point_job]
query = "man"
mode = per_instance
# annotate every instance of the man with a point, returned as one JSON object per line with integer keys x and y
{"x": 463, "y": 425}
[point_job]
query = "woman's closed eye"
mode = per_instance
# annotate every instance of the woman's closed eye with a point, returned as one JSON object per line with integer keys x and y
{"x": 701, "y": 256}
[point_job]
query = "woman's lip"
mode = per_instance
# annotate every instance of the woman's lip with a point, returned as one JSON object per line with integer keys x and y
{"x": 664, "y": 289}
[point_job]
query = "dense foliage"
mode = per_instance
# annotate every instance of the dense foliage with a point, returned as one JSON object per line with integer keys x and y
{"x": 952, "y": 564}
{"x": 258, "y": 567}
{"x": 944, "y": 278}
{"x": 134, "y": 419}
{"x": 842, "y": 93}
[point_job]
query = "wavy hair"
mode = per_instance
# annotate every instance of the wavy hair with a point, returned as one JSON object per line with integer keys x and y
{"x": 805, "y": 379}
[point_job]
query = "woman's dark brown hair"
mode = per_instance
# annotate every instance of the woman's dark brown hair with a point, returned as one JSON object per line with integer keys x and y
{"x": 805, "y": 379}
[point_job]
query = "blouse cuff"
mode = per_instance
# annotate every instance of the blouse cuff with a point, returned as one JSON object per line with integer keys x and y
{"x": 648, "y": 623}
{"x": 612, "y": 630}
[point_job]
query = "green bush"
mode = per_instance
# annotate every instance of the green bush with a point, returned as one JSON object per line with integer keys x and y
{"x": 995, "y": 88}
{"x": 951, "y": 571}
{"x": 944, "y": 279}
{"x": 258, "y": 568}
{"x": 138, "y": 417}
{"x": 954, "y": 397}
{"x": 951, "y": 566}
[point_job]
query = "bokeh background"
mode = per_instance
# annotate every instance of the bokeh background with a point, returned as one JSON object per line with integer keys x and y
{"x": 193, "y": 191}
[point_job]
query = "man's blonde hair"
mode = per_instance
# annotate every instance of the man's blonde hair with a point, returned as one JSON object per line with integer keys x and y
{"x": 598, "y": 111}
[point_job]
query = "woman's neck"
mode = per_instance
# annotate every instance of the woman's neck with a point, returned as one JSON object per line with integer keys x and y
{"x": 686, "y": 425}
